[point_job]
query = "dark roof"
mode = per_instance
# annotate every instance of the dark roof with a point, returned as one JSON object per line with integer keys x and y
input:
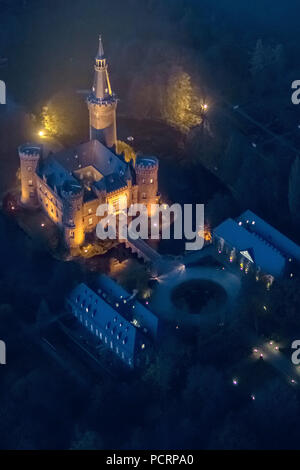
{"x": 111, "y": 183}
{"x": 104, "y": 315}
{"x": 58, "y": 168}
{"x": 56, "y": 175}
{"x": 132, "y": 309}
{"x": 264, "y": 255}
{"x": 255, "y": 224}
{"x": 91, "y": 153}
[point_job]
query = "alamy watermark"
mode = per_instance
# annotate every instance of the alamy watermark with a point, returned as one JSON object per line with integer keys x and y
{"x": 296, "y": 354}
{"x": 153, "y": 222}
{"x": 2, "y": 92}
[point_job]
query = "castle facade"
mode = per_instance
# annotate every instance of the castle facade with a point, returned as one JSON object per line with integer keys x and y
{"x": 71, "y": 184}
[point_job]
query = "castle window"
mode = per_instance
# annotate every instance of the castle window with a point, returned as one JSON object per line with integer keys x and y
{"x": 71, "y": 234}
{"x": 90, "y": 220}
{"x": 30, "y": 183}
{"x": 143, "y": 181}
{"x": 31, "y": 194}
{"x": 143, "y": 195}
{"x": 29, "y": 168}
{"x": 90, "y": 211}
{"x": 151, "y": 181}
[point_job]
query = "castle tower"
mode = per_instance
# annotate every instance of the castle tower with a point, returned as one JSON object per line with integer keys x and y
{"x": 102, "y": 104}
{"x": 30, "y": 155}
{"x": 146, "y": 169}
{"x": 72, "y": 195}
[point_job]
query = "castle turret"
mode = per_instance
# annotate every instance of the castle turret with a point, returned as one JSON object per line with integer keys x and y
{"x": 72, "y": 195}
{"x": 102, "y": 104}
{"x": 146, "y": 169}
{"x": 30, "y": 155}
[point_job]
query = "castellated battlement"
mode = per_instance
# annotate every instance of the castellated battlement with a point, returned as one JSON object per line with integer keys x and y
{"x": 146, "y": 164}
{"x": 30, "y": 151}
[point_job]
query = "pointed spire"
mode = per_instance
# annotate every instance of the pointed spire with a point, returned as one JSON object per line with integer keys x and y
{"x": 101, "y": 89}
{"x": 100, "y": 54}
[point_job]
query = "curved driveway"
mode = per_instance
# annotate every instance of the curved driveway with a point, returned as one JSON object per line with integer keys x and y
{"x": 161, "y": 302}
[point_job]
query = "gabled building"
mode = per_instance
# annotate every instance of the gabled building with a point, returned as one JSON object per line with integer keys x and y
{"x": 256, "y": 246}
{"x": 71, "y": 184}
{"x": 106, "y": 322}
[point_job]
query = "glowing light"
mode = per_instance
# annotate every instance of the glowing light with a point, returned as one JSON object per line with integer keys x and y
{"x": 253, "y": 397}
{"x": 235, "y": 381}
{"x": 261, "y": 355}
{"x": 143, "y": 346}
{"x": 42, "y": 225}
{"x": 265, "y": 308}
{"x": 41, "y": 133}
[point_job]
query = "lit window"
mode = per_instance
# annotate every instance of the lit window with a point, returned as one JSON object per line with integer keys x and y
{"x": 30, "y": 183}
{"x": 90, "y": 220}
{"x": 151, "y": 181}
{"x": 143, "y": 195}
{"x": 29, "y": 168}
{"x": 90, "y": 211}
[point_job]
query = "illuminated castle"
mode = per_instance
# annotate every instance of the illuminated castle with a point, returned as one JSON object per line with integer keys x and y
{"x": 70, "y": 185}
